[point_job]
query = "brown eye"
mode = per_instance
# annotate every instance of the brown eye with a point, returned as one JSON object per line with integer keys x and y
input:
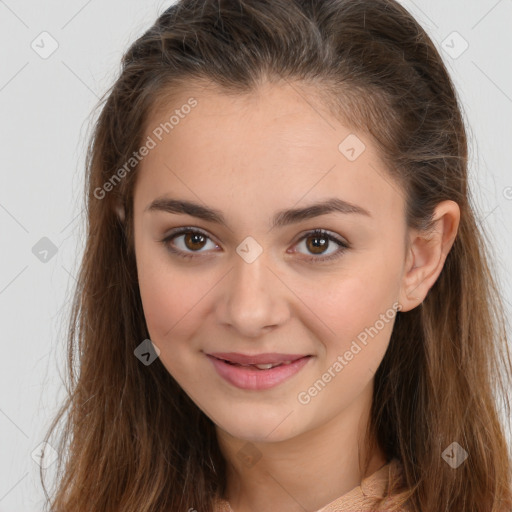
{"x": 194, "y": 241}
{"x": 317, "y": 243}
{"x": 186, "y": 241}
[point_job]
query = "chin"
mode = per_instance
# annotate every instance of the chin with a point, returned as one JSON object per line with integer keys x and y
{"x": 272, "y": 428}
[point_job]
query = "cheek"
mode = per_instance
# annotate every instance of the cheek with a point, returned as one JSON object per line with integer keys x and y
{"x": 348, "y": 302}
{"x": 354, "y": 317}
{"x": 167, "y": 302}
{"x": 160, "y": 307}
{"x": 175, "y": 304}
{"x": 360, "y": 317}
{"x": 170, "y": 308}
{"x": 166, "y": 295}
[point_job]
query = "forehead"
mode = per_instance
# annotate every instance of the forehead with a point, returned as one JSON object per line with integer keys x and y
{"x": 276, "y": 145}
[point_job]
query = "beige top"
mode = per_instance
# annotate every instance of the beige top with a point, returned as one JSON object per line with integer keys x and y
{"x": 363, "y": 498}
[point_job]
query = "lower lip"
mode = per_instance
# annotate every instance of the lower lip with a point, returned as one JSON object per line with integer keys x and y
{"x": 248, "y": 378}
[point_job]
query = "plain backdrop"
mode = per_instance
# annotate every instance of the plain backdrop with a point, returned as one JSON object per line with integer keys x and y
{"x": 57, "y": 59}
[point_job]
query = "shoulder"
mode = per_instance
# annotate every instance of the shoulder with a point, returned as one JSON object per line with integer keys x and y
{"x": 396, "y": 493}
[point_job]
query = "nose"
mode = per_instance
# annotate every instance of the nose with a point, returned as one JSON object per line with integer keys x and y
{"x": 253, "y": 299}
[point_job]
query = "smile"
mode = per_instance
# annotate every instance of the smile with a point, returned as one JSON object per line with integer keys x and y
{"x": 257, "y": 376}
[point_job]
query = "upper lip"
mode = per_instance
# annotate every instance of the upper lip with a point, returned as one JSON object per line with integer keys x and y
{"x": 256, "y": 359}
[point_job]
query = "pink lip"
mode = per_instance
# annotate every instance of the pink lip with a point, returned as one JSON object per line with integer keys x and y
{"x": 255, "y": 379}
{"x": 273, "y": 358}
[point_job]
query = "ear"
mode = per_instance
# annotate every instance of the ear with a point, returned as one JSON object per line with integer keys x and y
{"x": 427, "y": 254}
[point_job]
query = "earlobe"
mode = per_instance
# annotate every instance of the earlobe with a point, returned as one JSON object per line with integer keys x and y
{"x": 411, "y": 292}
{"x": 427, "y": 254}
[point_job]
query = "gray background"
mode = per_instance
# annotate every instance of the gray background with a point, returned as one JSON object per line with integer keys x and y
{"x": 46, "y": 106}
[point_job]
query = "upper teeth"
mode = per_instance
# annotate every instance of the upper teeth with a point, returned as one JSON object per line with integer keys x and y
{"x": 267, "y": 366}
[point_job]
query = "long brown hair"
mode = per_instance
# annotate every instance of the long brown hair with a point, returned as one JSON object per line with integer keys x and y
{"x": 132, "y": 440}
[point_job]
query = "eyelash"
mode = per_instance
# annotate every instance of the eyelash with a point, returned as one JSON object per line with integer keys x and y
{"x": 320, "y": 233}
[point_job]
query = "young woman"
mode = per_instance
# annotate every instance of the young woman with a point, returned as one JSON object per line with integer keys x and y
{"x": 285, "y": 301}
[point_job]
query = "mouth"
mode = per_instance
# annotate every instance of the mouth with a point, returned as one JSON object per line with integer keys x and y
{"x": 259, "y": 361}
{"x": 258, "y": 375}
{"x": 264, "y": 366}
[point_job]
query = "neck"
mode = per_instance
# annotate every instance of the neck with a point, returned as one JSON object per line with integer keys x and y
{"x": 305, "y": 472}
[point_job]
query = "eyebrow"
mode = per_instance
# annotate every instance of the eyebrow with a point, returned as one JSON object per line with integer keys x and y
{"x": 281, "y": 218}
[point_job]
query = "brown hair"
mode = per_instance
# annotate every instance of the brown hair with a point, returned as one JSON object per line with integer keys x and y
{"x": 133, "y": 441}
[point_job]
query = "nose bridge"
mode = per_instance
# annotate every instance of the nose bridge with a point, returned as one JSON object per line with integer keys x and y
{"x": 253, "y": 297}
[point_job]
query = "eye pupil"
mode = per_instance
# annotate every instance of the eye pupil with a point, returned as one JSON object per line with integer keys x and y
{"x": 194, "y": 238}
{"x": 320, "y": 242}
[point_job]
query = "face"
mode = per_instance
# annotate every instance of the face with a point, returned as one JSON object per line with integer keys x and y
{"x": 235, "y": 276}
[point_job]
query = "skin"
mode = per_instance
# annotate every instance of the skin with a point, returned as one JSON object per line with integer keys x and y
{"x": 250, "y": 156}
